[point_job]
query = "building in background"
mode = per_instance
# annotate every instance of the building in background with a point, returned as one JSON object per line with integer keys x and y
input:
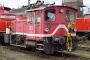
{"x": 78, "y": 4}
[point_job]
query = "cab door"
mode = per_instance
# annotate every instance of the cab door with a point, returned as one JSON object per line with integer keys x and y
{"x": 31, "y": 25}
{"x": 38, "y": 25}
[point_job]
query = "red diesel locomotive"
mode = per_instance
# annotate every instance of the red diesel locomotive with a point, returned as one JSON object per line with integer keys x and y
{"x": 83, "y": 26}
{"x": 47, "y": 28}
{"x": 5, "y": 20}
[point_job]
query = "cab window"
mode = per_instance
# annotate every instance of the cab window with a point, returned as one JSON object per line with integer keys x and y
{"x": 87, "y": 16}
{"x": 21, "y": 17}
{"x": 70, "y": 16}
{"x": 6, "y": 11}
{"x": 38, "y": 19}
{"x": 50, "y": 15}
{"x": 30, "y": 17}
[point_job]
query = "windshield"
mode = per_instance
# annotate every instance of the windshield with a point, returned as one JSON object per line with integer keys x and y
{"x": 87, "y": 16}
{"x": 70, "y": 16}
{"x": 6, "y": 11}
{"x": 50, "y": 15}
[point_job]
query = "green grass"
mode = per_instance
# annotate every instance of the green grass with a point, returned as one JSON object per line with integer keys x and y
{"x": 87, "y": 44}
{"x": 82, "y": 52}
{"x": 14, "y": 55}
{"x": 2, "y": 52}
{"x": 35, "y": 58}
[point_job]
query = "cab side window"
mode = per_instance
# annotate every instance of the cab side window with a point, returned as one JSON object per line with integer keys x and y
{"x": 31, "y": 17}
{"x": 28, "y": 17}
{"x": 38, "y": 18}
{"x": 50, "y": 15}
{"x": 21, "y": 17}
{"x": 6, "y": 11}
{"x": 70, "y": 16}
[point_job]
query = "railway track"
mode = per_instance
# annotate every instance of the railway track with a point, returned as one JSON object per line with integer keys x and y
{"x": 56, "y": 56}
{"x": 84, "y": 48}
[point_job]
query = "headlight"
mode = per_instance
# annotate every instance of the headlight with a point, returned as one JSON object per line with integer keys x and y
{"x": 61, "y": 10}
{"x": 46, "y": 29}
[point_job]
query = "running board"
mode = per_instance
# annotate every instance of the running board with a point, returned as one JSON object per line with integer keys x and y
{"x": 40, "y": 49}
{"x": 18, "y": 45}
{"x": 40, "y": 44}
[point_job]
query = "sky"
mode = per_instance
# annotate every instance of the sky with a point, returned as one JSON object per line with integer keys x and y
{"x": 19, "y": 3}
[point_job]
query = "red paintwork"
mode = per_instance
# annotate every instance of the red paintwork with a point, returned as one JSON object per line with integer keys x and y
{"x": 5, "y": 18}
{"x": 19, "y": 26}
{"x": 83, "y": 23}
{"x": 23, "y": 15}
{"x": 38, "y": 31}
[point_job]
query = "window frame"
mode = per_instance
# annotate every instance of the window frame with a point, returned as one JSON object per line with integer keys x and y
{"x": 31, "y": 21}
{"x": 69, "y": 16}
{"x": 45, "y": 15}
{"x": 6, "y": 11}
{"x": 21, "y": 17}
{"x": 28, "y": 17}
{"x": 37, "y": 17}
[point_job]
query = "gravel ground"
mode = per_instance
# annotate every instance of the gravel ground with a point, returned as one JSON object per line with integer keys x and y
{"x": 14, "y": 55}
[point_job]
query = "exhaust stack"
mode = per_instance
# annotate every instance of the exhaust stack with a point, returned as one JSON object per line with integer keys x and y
{"x": 28, "y": 3}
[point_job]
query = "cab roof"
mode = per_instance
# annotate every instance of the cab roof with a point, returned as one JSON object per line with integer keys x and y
{"x": 5, "y": 8}
{"x": 41, "y": 8}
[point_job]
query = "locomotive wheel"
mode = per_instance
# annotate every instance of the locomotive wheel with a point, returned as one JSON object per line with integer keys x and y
{"x": 48, "y": 48}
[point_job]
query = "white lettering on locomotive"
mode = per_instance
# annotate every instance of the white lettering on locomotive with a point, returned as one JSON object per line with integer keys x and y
{"x": 3, "y": 16}
{"x": 30, "y": 27}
